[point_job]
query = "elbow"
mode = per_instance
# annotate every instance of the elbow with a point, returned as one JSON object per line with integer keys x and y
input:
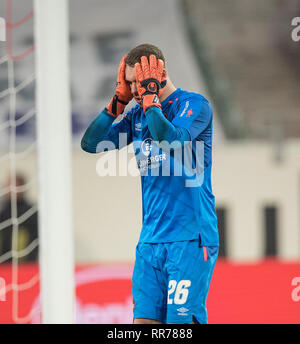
{"x": 86, "y": 147}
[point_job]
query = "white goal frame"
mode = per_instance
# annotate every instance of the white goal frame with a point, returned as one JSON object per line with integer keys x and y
{"x": 54, "y": 160}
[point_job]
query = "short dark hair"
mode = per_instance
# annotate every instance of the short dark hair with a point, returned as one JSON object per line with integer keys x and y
{"x": 145, "y": 49}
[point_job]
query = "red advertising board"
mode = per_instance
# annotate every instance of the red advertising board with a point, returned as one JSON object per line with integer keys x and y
{"x": 266, "y": 292}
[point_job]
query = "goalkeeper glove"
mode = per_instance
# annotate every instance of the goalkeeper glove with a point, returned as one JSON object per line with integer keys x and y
{"x": 150, "y": 81}
{"x": 123, "y": 94}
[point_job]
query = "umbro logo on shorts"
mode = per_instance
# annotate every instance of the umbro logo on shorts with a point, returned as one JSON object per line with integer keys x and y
{"x": 182, "y": 311}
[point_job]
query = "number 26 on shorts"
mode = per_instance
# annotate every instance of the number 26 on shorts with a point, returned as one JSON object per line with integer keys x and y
{"x": 180, "y": 291}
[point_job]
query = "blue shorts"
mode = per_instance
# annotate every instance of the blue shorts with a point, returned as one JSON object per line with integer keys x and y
{"x": 170, "y": 281}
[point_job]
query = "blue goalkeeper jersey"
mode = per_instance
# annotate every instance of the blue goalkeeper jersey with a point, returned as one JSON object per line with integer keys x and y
{"x": 178, "y": 202}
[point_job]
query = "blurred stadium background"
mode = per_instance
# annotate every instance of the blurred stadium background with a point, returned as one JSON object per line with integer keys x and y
{"x": 241, "y": 56}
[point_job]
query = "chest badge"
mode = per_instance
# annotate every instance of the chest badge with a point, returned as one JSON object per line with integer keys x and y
{"x": 138, "y": 126}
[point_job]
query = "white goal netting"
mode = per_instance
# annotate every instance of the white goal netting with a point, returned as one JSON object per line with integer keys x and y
{"x": 18, "y": 172}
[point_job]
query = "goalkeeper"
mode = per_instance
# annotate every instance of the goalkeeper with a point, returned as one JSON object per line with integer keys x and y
{"x": 178, "y": 244}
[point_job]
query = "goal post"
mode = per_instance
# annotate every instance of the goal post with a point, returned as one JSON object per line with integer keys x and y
{"x": 54, "y": 160}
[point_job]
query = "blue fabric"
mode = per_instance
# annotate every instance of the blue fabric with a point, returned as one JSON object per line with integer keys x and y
{"x": 100, "y": 136}
{"x": 163, "y": 130}
{"x": 177, "y": 197}
{"x": 170, "y": 281}
{"x": 176, "y": 207}
{"x": 96, "y": 132}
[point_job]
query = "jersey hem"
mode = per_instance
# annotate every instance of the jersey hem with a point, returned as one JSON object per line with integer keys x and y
{"x": 177, "y": 240}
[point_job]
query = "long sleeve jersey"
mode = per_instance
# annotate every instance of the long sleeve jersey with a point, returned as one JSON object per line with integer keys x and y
{"x": 173, "y": 149}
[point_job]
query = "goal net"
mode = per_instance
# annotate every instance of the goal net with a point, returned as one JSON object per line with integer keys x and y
{"x": 18, "y": 227}
{"x": 35, "y": 196}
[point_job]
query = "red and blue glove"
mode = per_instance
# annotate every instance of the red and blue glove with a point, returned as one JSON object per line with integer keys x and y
{"x": 123, "y": 93}
{"x": 150, "y": 80}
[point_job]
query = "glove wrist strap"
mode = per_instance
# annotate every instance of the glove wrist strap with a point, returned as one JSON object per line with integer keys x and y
{"x": 116, "y": 106}
{"x": 150, "y": 100}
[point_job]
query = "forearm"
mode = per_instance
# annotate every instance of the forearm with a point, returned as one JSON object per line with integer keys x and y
{"x": 163, "y": 130}
{"x": 96, "y": 131}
